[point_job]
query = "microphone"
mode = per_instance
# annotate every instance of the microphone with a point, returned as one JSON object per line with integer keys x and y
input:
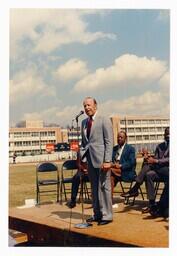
{"x": 80, "y": 113}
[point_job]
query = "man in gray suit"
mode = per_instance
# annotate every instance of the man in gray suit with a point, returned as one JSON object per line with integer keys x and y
{"x": 96, "y": 148}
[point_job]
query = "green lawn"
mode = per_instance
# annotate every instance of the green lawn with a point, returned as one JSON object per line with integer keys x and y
{"x": 22, "y": 183}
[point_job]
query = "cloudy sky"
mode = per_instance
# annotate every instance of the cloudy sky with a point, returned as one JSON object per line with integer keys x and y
{"x": 58, "y": 57}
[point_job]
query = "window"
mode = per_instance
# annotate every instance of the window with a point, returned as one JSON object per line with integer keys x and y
{"x": 34, "y": 134}
{"x": 137, "y": 129}
{"x": 130, "y": 122}
{"x": 43, "y": 134}
{"x": 152, "y": 129}
{"x": 145, "y": 129}
{"x": 26, "y": 143}
{"x": 137, "y": 121}
{"x": 35, "y": 143}
{"x": 152, "y": 137}
{"x": 51, "y": 133}
{"x": 159, "y": 137}
{"x": 18, "y": 143}
{"x": 145, "y": 137}
{"x": 138, "y": 137}
{"x": 17, "y": 134}
{"x": 122, "y": 122}
{"x": 144, "y": 122}
{"x": 26, "y": 134}
{"x": 131, "y": 138}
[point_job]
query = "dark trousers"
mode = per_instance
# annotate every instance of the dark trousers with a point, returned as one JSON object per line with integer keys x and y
{"x": 158, "y": 174}
{"x": 76, "y": 182}
{"x": 164, "y": 199}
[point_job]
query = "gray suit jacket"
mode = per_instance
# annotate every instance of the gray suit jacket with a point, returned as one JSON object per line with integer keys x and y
{"x": 100, "y": 143}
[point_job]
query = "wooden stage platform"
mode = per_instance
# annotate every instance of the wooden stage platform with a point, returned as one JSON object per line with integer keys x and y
{"x": 54, "y": 225}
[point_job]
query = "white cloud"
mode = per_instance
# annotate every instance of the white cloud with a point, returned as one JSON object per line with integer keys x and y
{"x": 59, "y": 115}
{"x": 26, "y": 84}
{"x": 48, "y": 29}
{"x": 164, "y": 82}
{"x": 149, "y": 103}
{"x": 127, "y": 70}
{"x": 72, "y": 69}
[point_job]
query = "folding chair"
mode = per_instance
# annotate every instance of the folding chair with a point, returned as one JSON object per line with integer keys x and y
{"x": 127, "y": 199}
{"x": 47, "y": 174}
{"x": 69, "y": 168}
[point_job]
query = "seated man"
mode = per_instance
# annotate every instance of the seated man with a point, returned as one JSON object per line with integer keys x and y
{"x": 124, "y": 161}
{"x": 81, "y": 173}
{"x": 154, "y": 168}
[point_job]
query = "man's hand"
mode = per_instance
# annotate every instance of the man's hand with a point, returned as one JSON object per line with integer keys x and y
{"x": 106, "y": 166}
{"x": 152, "y": 160}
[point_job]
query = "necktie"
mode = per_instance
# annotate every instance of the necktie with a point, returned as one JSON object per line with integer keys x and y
{"x": 89, "y": 125}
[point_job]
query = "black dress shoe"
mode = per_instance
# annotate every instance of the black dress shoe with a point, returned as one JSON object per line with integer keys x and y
{"x": 130, "y": 194}
{"x": 71, "y": 204}
{"x": 92, "y": 219}
{"x": 104, "y": 222}
{"x": 145, "y": 209}
{"x": 149, "y": 209}
{"x": 125, "y": 194}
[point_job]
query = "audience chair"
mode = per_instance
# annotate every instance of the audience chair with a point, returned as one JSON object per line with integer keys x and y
{"x": 130, "y": 185}
{"x": 47, "y": 175}
{"x": 68, "y": 169}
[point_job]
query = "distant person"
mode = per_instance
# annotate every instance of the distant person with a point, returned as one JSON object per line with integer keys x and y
{"x": 96, "y": 147}
{"x": 14, "y": 157}
{"x": 154, "y": 168}
{"x": 82, "y": 173}
{"x": 124, "y": 161}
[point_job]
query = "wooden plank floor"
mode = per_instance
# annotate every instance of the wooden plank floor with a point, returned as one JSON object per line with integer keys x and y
{"x": 54, "y": 225}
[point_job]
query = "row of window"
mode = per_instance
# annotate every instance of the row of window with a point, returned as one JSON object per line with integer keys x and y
{"x": 30, "y": 143}
{"x": 146, "y": 129}
{"x": 32, "y": 134}
{"x": 145, "y": 121}
{"x": 145, "y": 137}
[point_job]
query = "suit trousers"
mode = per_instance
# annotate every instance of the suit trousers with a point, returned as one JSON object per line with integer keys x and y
{"x": 101, "y": 191}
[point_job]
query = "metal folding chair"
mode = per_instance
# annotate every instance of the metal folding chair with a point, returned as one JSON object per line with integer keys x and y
{"x": 47, "y": 175}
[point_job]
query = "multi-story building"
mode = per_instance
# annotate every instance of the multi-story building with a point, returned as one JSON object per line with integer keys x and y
{"x": 32, "y": 138}
{"x": 142, "y": 131}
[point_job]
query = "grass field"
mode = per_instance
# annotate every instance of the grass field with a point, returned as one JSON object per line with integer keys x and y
{"x": 22, "y": 183}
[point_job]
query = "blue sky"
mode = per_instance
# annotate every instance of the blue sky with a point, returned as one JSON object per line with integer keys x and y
{"x": 58, "y": 57}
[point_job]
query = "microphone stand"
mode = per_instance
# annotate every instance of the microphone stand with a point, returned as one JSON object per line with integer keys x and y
{"x": 84, "y": 224}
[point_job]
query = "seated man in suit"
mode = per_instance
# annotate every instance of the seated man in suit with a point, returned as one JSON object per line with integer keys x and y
{"x": 154, "y": 168}
{"x": 124, "y": 161}
{"x": 81, "y": 173}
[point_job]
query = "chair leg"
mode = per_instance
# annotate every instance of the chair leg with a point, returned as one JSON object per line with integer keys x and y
{"x": 141, "y": 192}
{"x": 157, "y": 183}
{"x": 57, "y": 192}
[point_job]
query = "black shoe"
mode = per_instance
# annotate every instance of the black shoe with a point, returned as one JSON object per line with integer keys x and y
{"x": 130, "y": 194}
{"x": 159, "y": 212}
{"x": 104, "y": 222}
{"x": 145, "y": 209}
{"x": 71, "y": 204}
{"x": 92, "y": 219}
{"x": 125, "y": 194}
{"x": 149, "y": 209}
